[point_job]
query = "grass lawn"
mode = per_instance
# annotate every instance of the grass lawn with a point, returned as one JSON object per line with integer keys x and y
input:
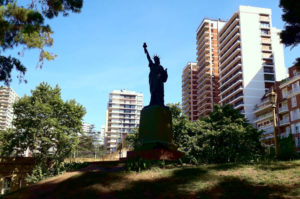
{"x": 268, "y": 180}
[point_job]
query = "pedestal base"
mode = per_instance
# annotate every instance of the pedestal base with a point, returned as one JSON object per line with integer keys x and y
{"x": 155, "y": 154}
{"x": 155, "y": 131}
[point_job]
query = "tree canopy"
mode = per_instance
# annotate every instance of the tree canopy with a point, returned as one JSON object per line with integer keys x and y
{"x": 290, "y": 36}
{"x": 224, "y": 136}
{"x": 44, "y": 124}
{"x": 25, "y": 27}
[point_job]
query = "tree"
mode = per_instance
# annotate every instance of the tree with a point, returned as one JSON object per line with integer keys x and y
{"x": 290, "y": 36}
{"x": 181, "y": 124}
{"x": 224, "y": 136}
{"x": 85, "y": 146}
{"x": 24, "y": 26}
{"x": 229, "y": 137}
{"x": 44, "y": 124}
{"x": 286, "y": 148}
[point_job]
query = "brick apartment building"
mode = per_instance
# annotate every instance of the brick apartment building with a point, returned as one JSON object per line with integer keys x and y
{"x": 288, "y": 110}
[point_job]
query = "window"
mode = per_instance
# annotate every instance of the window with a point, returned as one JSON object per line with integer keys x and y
{"x": 284, "y": 93}
{"x": 294, "y": 72}
{"x": 294, "y": 101}
{"x": 295, "y": 87}
{"x": 264, "y": 32}
{"x": 269, "y": 77}
{"x": 295, "y": 114}
{"x": 265, "y": 24}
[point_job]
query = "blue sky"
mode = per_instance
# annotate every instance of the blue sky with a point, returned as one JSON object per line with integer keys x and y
{"x": 100, "y": 49}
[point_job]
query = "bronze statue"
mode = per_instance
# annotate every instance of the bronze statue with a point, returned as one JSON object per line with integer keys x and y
{"x": 157, "y": 77}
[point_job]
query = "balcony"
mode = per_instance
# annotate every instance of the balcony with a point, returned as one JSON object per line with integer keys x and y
{"x": 203, "y": 99}
{"x": 230, "y": 50}
{"x": 267, "y": 130}
{"x": 231, "y": 70}
{"x": 263, "y": 117}
{"x": 236, "y": 99}
{"x": 229, "y": 60}
{"x": 288, "y": 81}
{"x": 283, "y": 109}
{"x": 238, "y": 105}
{"x": 293, "y": 92}
{"x": 230, "y": 78}
{"x": 226, "y": 89}
{"x": 284, "y": 122}
{"x": 267, "y": 137}
{"x": 264, "y": 18}
{"x": 205, "y": 80}
{"x": 224, "y": 31}
{"x": 262, "y": 107}
{"x": 230, "y": 94}
{"x": 203, "y": 75}
{"x": 200, "y": 37}
{"x": 203, "y": 92}
{"x": 265, "y": 40}
{"x": 203, "y": 28}
{"x": 203, "y": 44}
{"x": 203, "y": 59}
{"x": 235, "y": 37}
{"x": 205, "y": 86}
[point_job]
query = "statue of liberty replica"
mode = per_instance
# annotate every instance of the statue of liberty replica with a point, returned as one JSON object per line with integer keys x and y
{"x": 155, "y": 130}
{"x": 157, "y": 77}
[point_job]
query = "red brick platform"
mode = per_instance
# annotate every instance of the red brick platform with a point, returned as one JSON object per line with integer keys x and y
{"x": 155, "y": 154}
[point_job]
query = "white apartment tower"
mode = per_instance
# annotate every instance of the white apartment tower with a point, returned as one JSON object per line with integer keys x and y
{"x": 7, "y": 98}
{"x": 122, "y": 116}
{"x": 250, "y": 58}
{"x": 87, "y": 128}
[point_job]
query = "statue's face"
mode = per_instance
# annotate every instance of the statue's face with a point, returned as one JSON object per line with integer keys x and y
{"x": 156, "y": 60}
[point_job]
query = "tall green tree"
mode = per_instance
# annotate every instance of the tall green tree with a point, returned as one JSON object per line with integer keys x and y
{"x": 290, "y": 36}
{"x": 224, "y": 136}
{"x": 181, "y": 125}
{"x": 25, "y": 27}
{"x": 229, "y": 137}
{"x": 44, "y": 124}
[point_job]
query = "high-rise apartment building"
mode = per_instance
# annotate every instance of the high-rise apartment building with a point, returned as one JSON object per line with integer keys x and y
{"x": 87, "y": 127}
{"x": 7, "y": 98}
{"x": 250, "y": 58}
{"x": 207, "y": 65}
{"x": 122, "y": 116}
{"x": 189, "y": 91}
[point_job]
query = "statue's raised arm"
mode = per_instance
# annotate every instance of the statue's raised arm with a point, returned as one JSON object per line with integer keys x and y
{"x": 148, "y": 56}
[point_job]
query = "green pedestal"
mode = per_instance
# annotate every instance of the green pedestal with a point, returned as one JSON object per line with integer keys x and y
{"x": 155, "y": 131}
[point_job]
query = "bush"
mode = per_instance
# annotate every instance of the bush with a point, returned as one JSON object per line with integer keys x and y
{"x": 224, "y": 136}
{"x": 286, "y": 150}
{"x": 39, "y": 173}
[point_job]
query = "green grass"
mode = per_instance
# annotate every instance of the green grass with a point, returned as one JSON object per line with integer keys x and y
{"x": 240, "y": 181}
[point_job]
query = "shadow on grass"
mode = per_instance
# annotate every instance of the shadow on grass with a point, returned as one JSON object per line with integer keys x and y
{"x": 225, "y": 167}
{"x": 274, "y": 166}
{"x": 178, "y": 185}
{"x": 236, "y": 188}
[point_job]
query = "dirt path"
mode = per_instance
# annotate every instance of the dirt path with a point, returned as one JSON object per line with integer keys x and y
{"x": 46, "y": 188}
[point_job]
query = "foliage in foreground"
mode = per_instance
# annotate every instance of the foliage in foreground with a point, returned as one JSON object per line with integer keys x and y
{"x": 39, "y": 174}
{"x": 22, "y": 24}
{"x": 46, "y": 125}
{"x": 286, "y": 149}
{"x": 290, "y": 36}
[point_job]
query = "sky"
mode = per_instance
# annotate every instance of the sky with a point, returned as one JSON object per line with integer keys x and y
{"x": 100, "y": 49}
